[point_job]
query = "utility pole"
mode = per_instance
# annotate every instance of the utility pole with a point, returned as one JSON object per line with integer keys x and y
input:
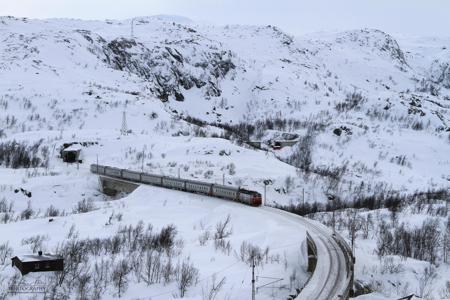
{"x": 132, "y": 28}
{"x": 265, "y": 193}
{"x": 446, "y": 206}
{"x": 97, "y": 163}
{"x": 253, "y": 279}
{"x": 124, "y": 130}
{"x": 353, "y": 231}
{"x": 334, "y": 222}
{"x": 223, "y": 178}
{"x": 143, "y": 157}
{"x": 178, "y": 172}
{"x": 266, "y": 183}
{"x": 331, "y": 198}
{"x": 303, "y": 197}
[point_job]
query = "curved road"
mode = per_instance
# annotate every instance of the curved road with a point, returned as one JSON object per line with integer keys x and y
{"x": 331, "y": 278}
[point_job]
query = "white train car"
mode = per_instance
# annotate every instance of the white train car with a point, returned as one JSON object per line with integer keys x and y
{"x": 114, "y": 172}
{"x": 151, "y": 179}
{"x": 173, "y": 183}
{"x": 198, "y": 187}
{"x": 131, "y": 175}
{"x": 98, "y": 169}
{"x": 227, "y": 192}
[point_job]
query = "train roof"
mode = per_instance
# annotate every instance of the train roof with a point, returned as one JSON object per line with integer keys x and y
{"x": 248, "y": 192}
{"x": 226, "y": 187}
{"x": 150, "y": 174}
{"x": 197, "y": 182}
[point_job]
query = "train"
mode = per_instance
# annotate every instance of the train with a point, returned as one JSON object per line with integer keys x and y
{"x": 232, "y": 193}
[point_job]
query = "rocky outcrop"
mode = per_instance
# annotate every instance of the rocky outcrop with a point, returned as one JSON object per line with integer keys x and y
{"x": 168, "y": 72}
{"x": 440, "y": 73}
{"x": 375, "y": 39}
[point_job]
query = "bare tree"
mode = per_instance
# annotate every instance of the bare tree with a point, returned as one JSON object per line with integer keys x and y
{"x": 444, "y": 293}
{"x": 27, "y": 213}
{"x": 250, "y": 253}
{"x": 223, "y": 229}
{"x": 446, "y": 240}
{"x": 366, "y": 224}
{"x": 168, "y": 270}
{"x": 187, "y": 276}
{"x": 425, "y": 281}
{"x": 5, "y": 252}
{"x": 36, "y": 242}
{"x": 100, "y": 278}
{"x": 83, "y": 284}
{"x": 302, "y": 154}
{"x": 288, "y": 183}
{"x": 151, "y": 267}
{"x": 210, "y": 291}
{"x": 119, "y": 276}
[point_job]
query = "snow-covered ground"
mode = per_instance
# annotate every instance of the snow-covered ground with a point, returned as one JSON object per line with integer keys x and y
{"x": 79, "y": 76}
{"x": 375, "y": 110}
{"x": 193, "y": 216}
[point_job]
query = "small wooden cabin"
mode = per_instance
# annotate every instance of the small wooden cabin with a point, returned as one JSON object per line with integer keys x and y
{"x": 71, "y": 154}
{"x": 38, "y": 263}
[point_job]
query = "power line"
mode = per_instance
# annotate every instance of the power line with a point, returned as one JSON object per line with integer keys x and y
{"x": 222, "y": 270}
{"x": 201, "y": 280}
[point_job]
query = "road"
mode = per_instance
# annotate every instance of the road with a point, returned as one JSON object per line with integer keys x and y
{"x": 332, "y": 275}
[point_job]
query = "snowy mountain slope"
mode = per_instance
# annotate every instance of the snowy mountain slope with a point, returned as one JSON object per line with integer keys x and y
{"x": 59, "y": 75}
{"x": 372, "y": 111}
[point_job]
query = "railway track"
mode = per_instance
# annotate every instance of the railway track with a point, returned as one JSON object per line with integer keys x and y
{"x": 332, "y": 278}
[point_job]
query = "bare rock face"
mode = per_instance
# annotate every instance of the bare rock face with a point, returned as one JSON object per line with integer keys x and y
{"x": 165, "y": 68}
{"x": 440, "y": 73}
{"x": 377, "y": 40}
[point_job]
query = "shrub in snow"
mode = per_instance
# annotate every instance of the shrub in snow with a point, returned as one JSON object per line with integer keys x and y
{"x": 223, "y": 229}
{"x": 83, "y": 285}
{"x": 302, "y": 152}
{"x": 352, "y": 101}
{"x": 119, "y": 276}
{"x": 204, "y": 237}
{"x": 444, "y": 293}
{"x": 84, "y": 206}
{"x": 27, "y": 212}
{"x": 250, "y": 253}
{"x": 36, "y": 242}
{"x": 288, "y": 182}
{"x": 52, "y": 211}
{"x": 425, "y": 280}
{"x": 19, "y": 155}
{"x": 6, "y": 206}
{"x": 211, "y": 290}
{"x": 420, "y": 243}
{"x": 5, "y": 253}
{"x": 231, "y": 169}
{"x": 187, "y": 275}
{"x": 208, "y": 174}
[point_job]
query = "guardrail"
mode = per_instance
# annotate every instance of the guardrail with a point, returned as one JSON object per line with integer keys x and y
{"x": 312, "y": 253}
{"x": 349, "y": 263}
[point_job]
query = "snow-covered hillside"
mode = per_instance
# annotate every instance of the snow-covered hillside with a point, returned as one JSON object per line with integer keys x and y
{"x": 370, "y": 112}
{"x": 378, "y": 108}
